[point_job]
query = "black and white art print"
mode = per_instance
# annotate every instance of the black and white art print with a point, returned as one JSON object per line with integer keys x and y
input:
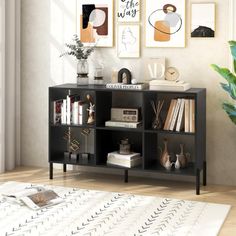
{"x": 128, "y": 10}
{"x": 203, "y": 20}
{"x": 128, "y": 41}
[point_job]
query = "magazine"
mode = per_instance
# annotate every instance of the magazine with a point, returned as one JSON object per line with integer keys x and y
{"x": 35, "y": 197}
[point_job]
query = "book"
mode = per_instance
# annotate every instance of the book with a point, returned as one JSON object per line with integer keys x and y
{"x": 192, "y": 116}
{"x": 169, "y": 114}
{"x": 139, "y": 86}
{"x": 63, "y": 112}
{"x": 186, "y": 116}
{"x": 75, "y": 113}
{"x": 180, "y": 120}
{"x": 122, "y": 124}
{"x": 83, "y": 113}
{"x": 35, "y": 197}
{"x": 57, "y": 105}
{"x": 165, "y": 85}
{"x": 125, "y": 163}
{"x": 174, "y": 118}
{"x": 68, "y": 110}
{"x": 128, "y": 157}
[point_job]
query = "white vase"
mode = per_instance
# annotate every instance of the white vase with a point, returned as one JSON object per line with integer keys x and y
{"x": 168, "y": 164}
{"x": 177, "y": 163}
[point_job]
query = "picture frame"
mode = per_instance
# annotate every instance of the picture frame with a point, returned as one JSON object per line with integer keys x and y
{"x": 128, "y": 40}
{"x": 128, "y": 11}
{"x": 165, "y": 23}
{"x": 95, "y": 23}
{"x": 203, "y": 21}
{"x": 155, "y": 68}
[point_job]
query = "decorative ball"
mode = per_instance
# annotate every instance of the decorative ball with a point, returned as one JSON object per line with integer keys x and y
{"x": 134, "y": 81}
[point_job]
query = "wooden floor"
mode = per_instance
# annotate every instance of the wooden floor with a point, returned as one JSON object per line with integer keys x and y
{"x": 151, "y": 187}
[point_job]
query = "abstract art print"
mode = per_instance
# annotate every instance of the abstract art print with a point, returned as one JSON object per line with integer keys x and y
{"x": 128, "y": 10}
{"x": 165, "y": 23}
{"x": 95, "y": 22}
{"x": 128, "y": 41}
{"x": 203, "y": 20}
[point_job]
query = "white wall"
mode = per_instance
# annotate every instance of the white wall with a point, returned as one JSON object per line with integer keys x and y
{"x": 47, "y": 24}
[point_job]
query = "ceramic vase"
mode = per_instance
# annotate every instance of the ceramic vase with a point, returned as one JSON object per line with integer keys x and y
{"x": 177, "y": 163}
{"x": 182, "y": 158}
{"x": 168, "y": 164}
{"x": 164, "y": 154}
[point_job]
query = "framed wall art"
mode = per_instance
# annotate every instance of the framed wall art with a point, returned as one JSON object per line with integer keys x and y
{"x": 165, "y": 23}
{"x": 128, "y": 41}
{"x": 95, "y": 22}
{"x": 203, "y": 20}
{"x": 155, "y": 68}
{"x": 128, "y": 11}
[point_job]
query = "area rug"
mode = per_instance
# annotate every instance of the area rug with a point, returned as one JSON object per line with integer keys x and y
{"x": 88, "y": 212}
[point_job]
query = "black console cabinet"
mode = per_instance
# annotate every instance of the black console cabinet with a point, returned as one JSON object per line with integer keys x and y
{"x": 144, "y": 139}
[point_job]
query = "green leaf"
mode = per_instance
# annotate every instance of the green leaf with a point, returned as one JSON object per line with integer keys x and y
{"x": 225, "y": 73}
{"x": 233, "y": 48}
{"x": 234, "y": 63}
{"x": 230, "y": 89}
{"x": 230, "y": 110}
{"x": 225, "y": 87}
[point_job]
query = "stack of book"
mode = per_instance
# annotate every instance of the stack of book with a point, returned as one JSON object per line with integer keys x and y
{"x": 166, "y": 85}
{"x": 128, "y": 161}
{"x": 70, "y": 111}
{"x": 181, "y": 115}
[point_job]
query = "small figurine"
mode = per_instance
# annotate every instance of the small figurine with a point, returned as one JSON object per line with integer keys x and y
{"x": 125, "y": 147}
{"x": 91, "y": 110}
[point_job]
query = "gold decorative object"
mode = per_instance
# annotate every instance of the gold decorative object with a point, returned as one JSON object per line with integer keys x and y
{"x": 73, "y": 145}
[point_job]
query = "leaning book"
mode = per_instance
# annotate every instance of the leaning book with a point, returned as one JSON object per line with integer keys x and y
{"x": 35, "y": 197}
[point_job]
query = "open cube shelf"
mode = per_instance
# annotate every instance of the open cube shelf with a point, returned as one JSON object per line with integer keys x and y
{"x": 145, "y": 140}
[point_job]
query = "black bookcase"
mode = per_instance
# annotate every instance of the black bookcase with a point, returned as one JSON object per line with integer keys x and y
{"x": 144, "y": 139}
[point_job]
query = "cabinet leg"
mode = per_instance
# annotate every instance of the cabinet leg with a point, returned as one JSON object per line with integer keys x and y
{"x": 51, "y": 170}
{"x": 126, "y": 176}
{"x": 197, "y": 182}
{"x": 64, "y": 167}
{"x": 204, "y": 173}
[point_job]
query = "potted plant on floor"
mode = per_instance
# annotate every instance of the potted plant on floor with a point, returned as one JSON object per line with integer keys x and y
{"x": 230, "y": 86}
{"x": 81, "y": 53}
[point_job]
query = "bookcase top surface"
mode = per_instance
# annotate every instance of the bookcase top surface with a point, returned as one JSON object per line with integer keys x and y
{"x": 103, "y": 88}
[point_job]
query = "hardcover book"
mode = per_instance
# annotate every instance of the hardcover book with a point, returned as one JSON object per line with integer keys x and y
{"x": 127, "y": 86}
{"x": 122, "y": 124}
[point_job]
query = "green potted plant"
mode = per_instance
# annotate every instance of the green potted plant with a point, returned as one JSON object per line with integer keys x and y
{"x": 81, "y": 53}
{"x": 230, "y": 86}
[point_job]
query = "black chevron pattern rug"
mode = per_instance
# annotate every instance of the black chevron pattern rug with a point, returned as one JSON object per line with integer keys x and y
{"x": 88, "y": 212}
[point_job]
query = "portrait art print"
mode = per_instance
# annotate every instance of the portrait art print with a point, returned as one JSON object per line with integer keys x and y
{"x": 95, "y": 22}
{"x": 203, "y": 20}
{"x": 128, "y": 10}
{"x": 128, "y": 41}
{"x": 165, "y": 23}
